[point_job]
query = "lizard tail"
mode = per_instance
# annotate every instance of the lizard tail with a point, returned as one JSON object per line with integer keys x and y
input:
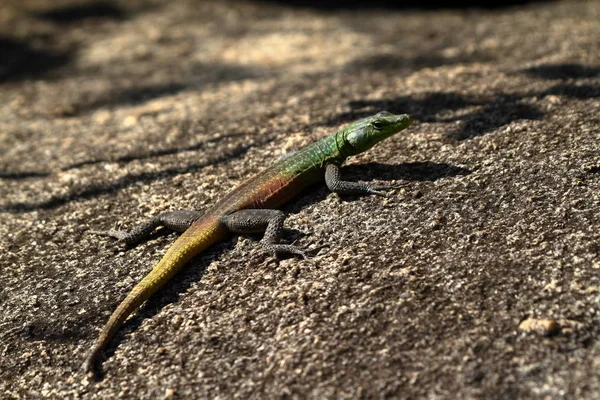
{"x": 197, "y": 238}
{"x": 134, "y": 299}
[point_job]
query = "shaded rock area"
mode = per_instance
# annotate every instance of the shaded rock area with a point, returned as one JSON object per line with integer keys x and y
{"x": 478, "y": 278}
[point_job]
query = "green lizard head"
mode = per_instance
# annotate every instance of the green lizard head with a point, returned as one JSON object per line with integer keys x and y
{"x": 366, "y": 133}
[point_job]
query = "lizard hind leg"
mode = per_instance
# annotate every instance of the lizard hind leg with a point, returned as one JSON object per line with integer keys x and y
{"x": 177, "y": 221}
{"x": 259, "y": 220}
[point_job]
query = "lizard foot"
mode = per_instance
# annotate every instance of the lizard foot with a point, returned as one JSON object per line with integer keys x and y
{"x": 284, "y": 249}
{"x": 377, "y": 189}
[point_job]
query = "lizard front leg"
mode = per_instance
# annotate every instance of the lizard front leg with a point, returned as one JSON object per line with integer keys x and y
{"x": 269, "y": 221}
{"x": 177, "y": 221}
{"x": 337, "y": 185}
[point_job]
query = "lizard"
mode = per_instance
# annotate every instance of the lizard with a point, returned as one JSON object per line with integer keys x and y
{"x": 248, "y": 208}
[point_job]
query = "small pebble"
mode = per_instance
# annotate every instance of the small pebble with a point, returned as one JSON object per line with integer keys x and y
{"x": 544, "y": 327}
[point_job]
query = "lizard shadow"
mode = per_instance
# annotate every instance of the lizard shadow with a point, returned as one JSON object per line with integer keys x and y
{"x": 428, "y": 171}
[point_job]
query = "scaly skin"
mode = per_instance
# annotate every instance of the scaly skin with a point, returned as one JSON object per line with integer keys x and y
{"x": 267, "y": 190}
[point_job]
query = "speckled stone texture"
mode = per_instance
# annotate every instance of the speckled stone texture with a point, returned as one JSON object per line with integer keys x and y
{"x": 479, "y": 278}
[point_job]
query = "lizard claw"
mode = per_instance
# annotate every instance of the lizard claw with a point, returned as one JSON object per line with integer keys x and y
{"x": 315, "y": 250}
{"x": 88, "y": 367}
{"x": 284, "y": 249}
{"x": 377, "y": 189}
{"x": 113, "y": 233}
{"x": 377, "y": 192}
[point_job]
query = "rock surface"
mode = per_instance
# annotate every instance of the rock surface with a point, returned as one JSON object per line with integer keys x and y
{"x": 112, "y": 112}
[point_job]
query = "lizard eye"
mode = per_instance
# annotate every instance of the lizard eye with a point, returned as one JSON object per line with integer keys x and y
{"x": 379, "y": 125}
